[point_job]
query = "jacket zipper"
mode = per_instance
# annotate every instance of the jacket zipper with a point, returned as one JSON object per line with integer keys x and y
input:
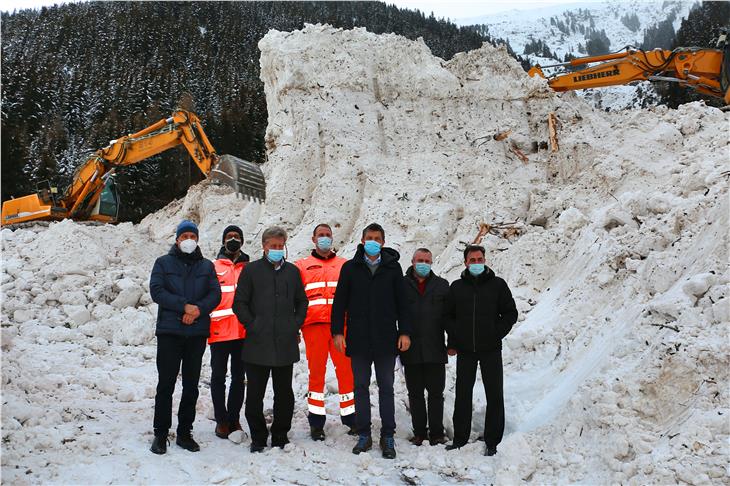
{"x": 474, "y": 320}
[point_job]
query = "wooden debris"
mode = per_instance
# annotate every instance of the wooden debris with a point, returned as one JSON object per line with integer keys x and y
{"x": 502, "y": 135}
{"x": 519, "y": 153}
{"x": 502, "y": 230}
{"x": 553, "y": 129}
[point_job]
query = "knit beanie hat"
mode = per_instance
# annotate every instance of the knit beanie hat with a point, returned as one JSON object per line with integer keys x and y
{"x": 230, "y": 228}
{"x": 185, "y": 226}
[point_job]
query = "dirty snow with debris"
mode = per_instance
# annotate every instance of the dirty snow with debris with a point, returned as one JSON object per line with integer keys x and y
{"x": 615, "y": 247}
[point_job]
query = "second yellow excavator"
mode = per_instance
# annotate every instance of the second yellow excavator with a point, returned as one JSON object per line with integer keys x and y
{"x": 92, "y": 195}
{"x": 704, "y": 69}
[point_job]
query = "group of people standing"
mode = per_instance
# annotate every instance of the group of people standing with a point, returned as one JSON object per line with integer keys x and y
{"x": 362, "y": 313}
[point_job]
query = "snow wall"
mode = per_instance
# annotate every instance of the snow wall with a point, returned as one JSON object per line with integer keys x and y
{"x": 615, "y": 247}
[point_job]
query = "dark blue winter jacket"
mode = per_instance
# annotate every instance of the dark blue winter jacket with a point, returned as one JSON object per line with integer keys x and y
{"x": 367, "y": 306}
{"x": 178, "y": 279}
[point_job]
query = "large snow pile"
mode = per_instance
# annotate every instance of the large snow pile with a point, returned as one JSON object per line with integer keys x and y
{"x": 617, "y": 256}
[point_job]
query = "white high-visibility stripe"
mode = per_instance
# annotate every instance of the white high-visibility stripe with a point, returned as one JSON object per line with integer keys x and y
{"x": 347, "y": 396}
{"x": 221, "y": 313}
{"x": 321, "y": 302}
{"x": 347, "y": 410}
{"x": 228, "y": 288}
{"x": 316, "y": 396}
{"x": 332, "y": 284}
{"x": 318, "y": 410}
{"x": 315, "y": 285}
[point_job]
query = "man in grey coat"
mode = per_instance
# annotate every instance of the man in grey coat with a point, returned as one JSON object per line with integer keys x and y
{"x": 271, "y": 302}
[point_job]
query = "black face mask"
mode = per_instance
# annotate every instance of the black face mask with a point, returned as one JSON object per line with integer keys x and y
{"x": 233, "y": 245}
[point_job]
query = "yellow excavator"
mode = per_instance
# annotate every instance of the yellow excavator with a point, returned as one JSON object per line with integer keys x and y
{"x": 92, "y": 195}
{"x": 705, "y": 70}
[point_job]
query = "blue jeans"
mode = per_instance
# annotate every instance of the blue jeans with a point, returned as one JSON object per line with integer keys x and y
{"x": 384, "y": 375}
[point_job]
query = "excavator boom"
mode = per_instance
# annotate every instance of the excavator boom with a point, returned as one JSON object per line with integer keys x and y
{"x": 705, "y": 70}
{"x": 83, "y": 199}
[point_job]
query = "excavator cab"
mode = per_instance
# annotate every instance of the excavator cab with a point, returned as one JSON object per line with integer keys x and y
{"x": 107, "y": 207}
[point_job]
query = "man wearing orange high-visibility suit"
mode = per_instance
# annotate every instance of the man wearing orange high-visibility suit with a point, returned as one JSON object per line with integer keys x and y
{"x": 320, "y": 272}
{"x": 226, "y": 339}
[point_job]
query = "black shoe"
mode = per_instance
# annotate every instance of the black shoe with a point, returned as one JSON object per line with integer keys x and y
{"x": 279, "y": 441}
{"x": 364, "y": 443}
{"x": 387, "y": 445}
{"x": 257, "y": 448}
{"x": 352, "y": 431}
{"x": 454, "y": 445}
{"x": 316, "y": 433}
{"x": 441, "y": 439}
{"x": 159, "y": 444}
{"x": 490, "y": 450}
{"x": 187, "y": 442}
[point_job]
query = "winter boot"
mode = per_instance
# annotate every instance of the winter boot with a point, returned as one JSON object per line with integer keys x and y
{"x": 417, "y": 440}
{"x": 279, "y": 441}
{"x": 159, "y": 444}
{"x": 236, "y": 426}
{"x": 490, "y": 450}
{"x": 317, "y": 433}
{"x": 222, "y": 430}
{"x": 187, "y": 442}
{"x": 387, "y": 445}
{"x": 257, "y": 448}
{"x": 454, "y": 445}
{"x": 364, "y": 443}
{"x": 438, "y": 440}
{"x": 352, "y": 431}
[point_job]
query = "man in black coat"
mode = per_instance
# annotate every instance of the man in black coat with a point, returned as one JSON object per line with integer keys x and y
{"x": 186, "y": 290}
{"x": 271, "y": 302}
{"x": 424, "y": 362}
{"x": 481, "y": 313}
{"x": 369, "y": 300}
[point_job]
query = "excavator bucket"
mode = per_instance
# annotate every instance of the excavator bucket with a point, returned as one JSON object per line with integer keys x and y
{"x": 243, "y": 176}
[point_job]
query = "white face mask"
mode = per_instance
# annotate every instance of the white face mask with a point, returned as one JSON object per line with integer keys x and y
{"x": 188, "y": 246}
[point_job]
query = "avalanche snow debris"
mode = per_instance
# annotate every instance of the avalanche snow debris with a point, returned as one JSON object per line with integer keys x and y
{"x": 612, "y": 376}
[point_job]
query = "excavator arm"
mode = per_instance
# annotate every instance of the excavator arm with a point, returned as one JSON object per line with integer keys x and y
{"x": 80, "y": 200}
{"x": 705, "y": 70}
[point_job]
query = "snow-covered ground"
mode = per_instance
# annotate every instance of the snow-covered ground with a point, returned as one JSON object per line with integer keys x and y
{"x": 616, "y": 372}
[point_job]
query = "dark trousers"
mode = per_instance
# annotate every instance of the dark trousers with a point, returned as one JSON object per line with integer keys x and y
{"x": 219, "y": 354}
{"x": 384, "y": 375}
{"x": 490, "y": 364}
{"x": 258, "y": 378}
{"x": 429, "y": 377}
{"x": 172, "y": 351}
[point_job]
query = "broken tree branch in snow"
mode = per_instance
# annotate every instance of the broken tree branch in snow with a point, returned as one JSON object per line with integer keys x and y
{"x": 502, "y": 230}
{"x": 553, "y": 130}
{"x": 519, "y": 153}
{"x": 502, "y": 135}
{"x": 673, "y": 328}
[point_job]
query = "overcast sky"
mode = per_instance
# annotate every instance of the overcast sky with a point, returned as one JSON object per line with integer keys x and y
{"x": 453, "y": 9}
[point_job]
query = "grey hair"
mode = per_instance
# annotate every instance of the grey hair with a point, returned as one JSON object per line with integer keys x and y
{"x": 273, "y": 232}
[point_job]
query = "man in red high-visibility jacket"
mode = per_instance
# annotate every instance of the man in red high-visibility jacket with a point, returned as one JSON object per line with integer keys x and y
{"x": 320, "y": 272}
{"x": 226, "y": 337}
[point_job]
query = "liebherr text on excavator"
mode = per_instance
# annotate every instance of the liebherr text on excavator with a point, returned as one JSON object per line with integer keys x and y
{"x": 92, "y": 195}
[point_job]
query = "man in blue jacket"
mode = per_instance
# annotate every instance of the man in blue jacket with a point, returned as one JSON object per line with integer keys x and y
{"x": 370, "y": 297}
{"x": 186, "y": 290}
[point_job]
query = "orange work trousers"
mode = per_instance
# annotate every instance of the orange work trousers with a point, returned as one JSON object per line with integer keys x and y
{"x": 319, "y": 345}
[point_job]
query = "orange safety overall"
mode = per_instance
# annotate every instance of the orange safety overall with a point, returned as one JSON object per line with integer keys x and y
{"x": 320, "y": 276}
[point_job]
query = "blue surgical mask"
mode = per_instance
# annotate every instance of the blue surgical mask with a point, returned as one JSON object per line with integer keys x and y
{"x": 324, "y": 243}
{"x": 372, "y": 247}
{"x": 476, "y": 268}
{"x": 275, "y": 256}
{"x": 422, "y": 269}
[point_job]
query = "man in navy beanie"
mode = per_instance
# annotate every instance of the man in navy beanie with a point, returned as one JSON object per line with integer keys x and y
{"x": 185, "y": 287}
